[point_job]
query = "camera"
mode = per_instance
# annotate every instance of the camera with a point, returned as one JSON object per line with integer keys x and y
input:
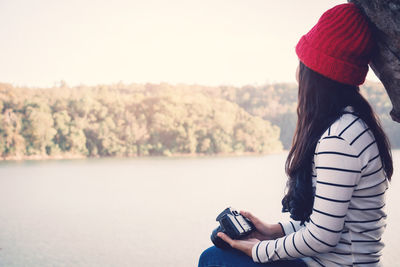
{"x": 233, "y": 224}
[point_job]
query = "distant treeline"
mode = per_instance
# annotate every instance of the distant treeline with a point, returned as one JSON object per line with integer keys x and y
{"x": 155, "y": 119}
{"x": 277, "y": 103}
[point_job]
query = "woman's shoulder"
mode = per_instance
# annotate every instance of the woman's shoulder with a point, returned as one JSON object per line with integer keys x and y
{"x": 351, "y": 134}
{"x": 350, "y": 127}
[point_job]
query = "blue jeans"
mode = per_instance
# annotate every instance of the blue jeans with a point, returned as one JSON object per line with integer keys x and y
{"x": 216, "y": 257}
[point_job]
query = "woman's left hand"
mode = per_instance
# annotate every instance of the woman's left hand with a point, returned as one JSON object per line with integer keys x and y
{"x": 244, "y": 245}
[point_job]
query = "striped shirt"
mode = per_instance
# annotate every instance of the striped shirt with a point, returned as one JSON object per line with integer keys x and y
{"x": 348, "y": 216}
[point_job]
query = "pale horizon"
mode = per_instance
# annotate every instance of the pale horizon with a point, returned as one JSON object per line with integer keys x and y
{"x": 206, "y": 42}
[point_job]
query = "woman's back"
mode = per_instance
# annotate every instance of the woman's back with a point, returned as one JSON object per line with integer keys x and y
{"x": 365, "y": 219}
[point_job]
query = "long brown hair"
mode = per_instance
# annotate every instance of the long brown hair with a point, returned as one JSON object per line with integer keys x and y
{"x": 320, "y": 103}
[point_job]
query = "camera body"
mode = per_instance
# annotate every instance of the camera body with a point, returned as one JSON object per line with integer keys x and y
{"x": 233, "y": 224}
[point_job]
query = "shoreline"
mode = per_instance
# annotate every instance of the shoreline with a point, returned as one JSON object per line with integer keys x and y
{"x": 176, "y": 155}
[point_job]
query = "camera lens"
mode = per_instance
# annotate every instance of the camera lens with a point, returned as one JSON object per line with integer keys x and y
{"x": 218, "y": 242}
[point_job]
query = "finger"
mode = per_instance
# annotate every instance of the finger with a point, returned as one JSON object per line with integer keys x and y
{"x": 226, "y": 238}
{"x": 249, "y": 216}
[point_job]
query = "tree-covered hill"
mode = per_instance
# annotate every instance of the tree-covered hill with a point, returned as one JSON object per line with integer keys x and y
{"x": 156, "y": 119}
{"x": 119, "y": 120}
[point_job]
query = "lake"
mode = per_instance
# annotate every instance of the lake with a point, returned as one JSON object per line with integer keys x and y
{"x": 139, "y": 212}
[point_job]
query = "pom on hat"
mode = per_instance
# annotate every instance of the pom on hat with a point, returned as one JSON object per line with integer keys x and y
{"x": 339, "y": 46}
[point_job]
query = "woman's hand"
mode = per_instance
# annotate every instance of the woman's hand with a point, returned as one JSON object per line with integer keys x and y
{"x": 264, "y": 231}
{"x": 245, "y": 245}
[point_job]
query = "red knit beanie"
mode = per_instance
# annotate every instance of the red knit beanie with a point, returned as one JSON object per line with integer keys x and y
{"x": 339, "y": 46}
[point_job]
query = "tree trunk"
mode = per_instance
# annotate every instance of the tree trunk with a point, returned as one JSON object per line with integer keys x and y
{"x": 384, "y": 16}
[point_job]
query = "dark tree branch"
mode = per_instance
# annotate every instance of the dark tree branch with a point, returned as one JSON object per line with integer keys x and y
{"x": 384, "y": 16}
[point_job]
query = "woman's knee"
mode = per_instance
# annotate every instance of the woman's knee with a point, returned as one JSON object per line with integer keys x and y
{"x": 206, "y": 256}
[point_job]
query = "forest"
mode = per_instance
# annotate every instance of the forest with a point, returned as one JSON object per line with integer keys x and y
{"x": 130, "y": 120}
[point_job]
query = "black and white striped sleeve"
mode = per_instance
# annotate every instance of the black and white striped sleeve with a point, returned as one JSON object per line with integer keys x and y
{"x": 338, "y": 171}
{"x": 290, "y": 226}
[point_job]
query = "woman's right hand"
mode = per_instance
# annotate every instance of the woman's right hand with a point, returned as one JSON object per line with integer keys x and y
{"x": 264, "y": 231}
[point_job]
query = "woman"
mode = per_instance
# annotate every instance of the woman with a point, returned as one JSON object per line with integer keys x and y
{"x": 339, "y": 166}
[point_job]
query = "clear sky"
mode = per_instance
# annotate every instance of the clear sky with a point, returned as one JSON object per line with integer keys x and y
{"x": 208, "y": 42}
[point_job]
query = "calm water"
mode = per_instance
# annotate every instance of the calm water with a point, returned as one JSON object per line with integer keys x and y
{"x": 138, "y": 212}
